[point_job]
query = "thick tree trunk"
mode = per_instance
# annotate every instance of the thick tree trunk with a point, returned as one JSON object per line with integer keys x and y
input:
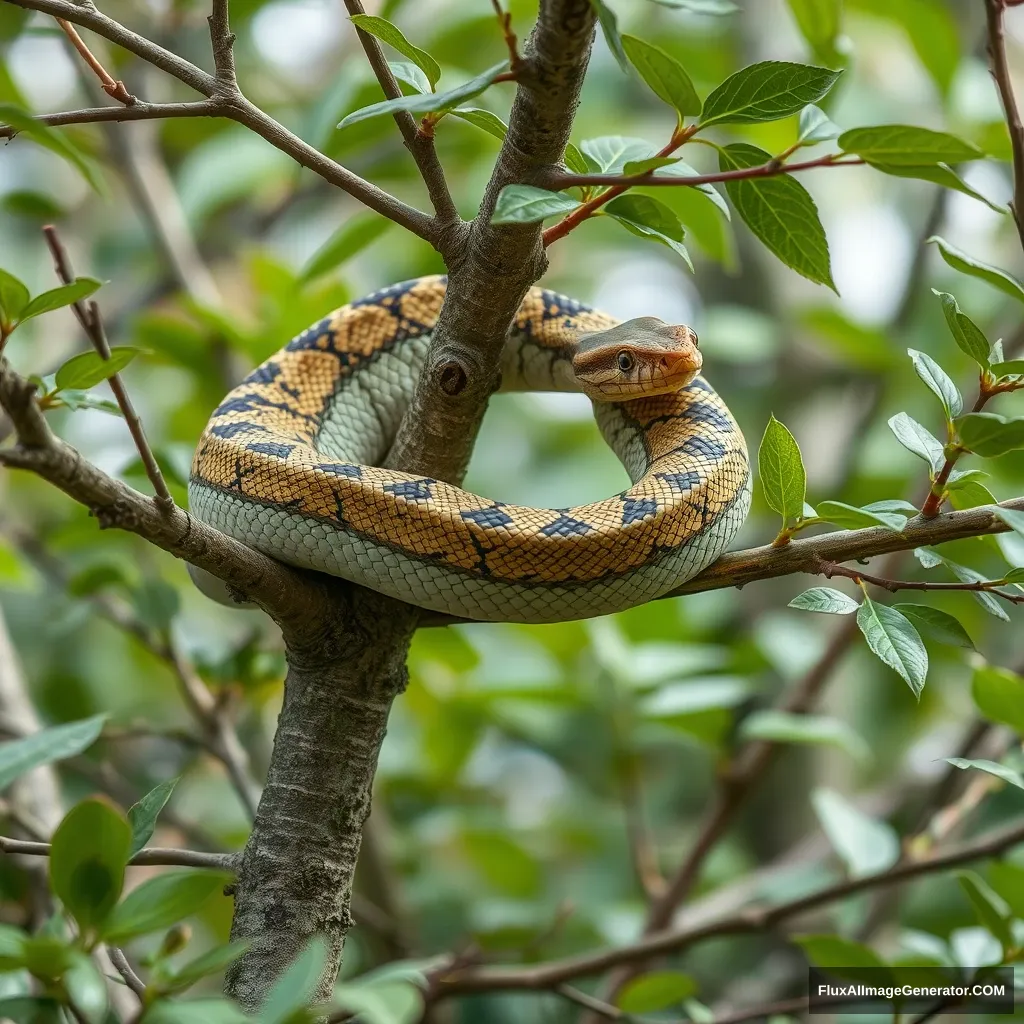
{"x": 296, "y": 874}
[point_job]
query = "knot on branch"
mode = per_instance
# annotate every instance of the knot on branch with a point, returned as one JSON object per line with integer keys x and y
{"x": 452, "y": 377}
{"x": 118, "y": 515}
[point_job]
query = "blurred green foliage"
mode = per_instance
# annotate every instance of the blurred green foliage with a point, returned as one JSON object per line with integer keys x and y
{"x": 517, "y": 756}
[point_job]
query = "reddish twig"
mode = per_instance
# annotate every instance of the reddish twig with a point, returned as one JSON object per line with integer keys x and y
{"x": 505, "y": 21}
{"x": 92, "y": 324}
{"x": 111, "y": 86}
{"x": 618, "y": 183}
{"x": 679, "y": 137}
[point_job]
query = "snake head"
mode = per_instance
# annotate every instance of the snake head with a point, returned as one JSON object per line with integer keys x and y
{"x": 636, "y": 359}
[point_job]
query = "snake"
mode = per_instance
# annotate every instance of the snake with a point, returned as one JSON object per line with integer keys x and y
{"x": 290, "y": 464}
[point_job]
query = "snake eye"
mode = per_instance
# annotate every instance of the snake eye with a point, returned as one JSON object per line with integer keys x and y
{"x": 625, "y": 362}
{"x": 696, "y": 340}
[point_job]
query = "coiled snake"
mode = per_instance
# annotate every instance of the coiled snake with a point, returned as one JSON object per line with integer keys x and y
{"x": 287, "y": 464}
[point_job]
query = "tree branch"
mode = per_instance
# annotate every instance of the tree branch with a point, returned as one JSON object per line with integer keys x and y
{"x": 232, "y": 104}
{"x": 994, "y": 11}
{"x": 445, "y": 982}
{"x": 420, "y": 145}
{"x": 92, "y": 324}
{"x": 292, "y": 597}
{"x": 139, "y": 111}
{"x": 152, "y": 856}
{"x": 111, "y": 86}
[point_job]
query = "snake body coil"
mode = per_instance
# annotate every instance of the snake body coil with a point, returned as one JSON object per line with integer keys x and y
{"x": 286, "y": 465}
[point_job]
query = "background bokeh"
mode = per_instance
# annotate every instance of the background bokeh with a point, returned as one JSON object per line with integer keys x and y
{"x": 513, "y": 759}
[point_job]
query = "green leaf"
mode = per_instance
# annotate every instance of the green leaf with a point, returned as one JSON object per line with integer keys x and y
{"x": 156, "y": 603}
{"x": 503, "y": 862}
{"x": 852, "y": 518}
{"x": 864, "y": 845}
{"x": 87, "y": 860}
{"x": 998, "y": 694}
{"x": 573, "y": 159}
{"x": 989, "y": 435}
{"x": 46, "y": 746}
{"x": 190, "y": 1011}
{"x": 940, "y": 174}
{"x": 1008, "y": 880}
{"x": 427, "y": 103}
{"x": 295, "y": 988}
{"x": 162, "y": 901}
{"x": 1013, "y": 519}
{"x": 990, "y": 907}
{"x": 815, "y": 126}
{"x": 909, "y": 145}
{"x": 75, "y": 400}
{"x": 611, "y": 153}
{"x": 653, "y": 163}
{"x": 784, "y": 727}
{"x": 51, "y": 139}
{"x": 392, "y": 35}
{"x": 766, "y": 91}
{"x": 931, "y": 29}
{"x": 893, "y": 638}
{"x": 677, "y": 168}
{"x": 87, "y": 990}
{"x": 918, "y": 439}
{"x": 937, "y": 625}
{"x": 523, "y": 204}
{"x": 930, "y": 558}
{"x": 212, "y": 962}
{"x": 658, "y": 990}
{"x": 610, "y": 28}
{"x": 825, "y": 599}
{"x": 937, "y": 380}
{"x": 959, "y": 260}
{"x": 969, "y": 337}
{"x": 665, "y": 76}
{"x": 381, "y": 1000}
{"x": 14, "y": 297}
{"x": 88, "y": 369}
{"x": 649, "y": 218}
{"x": 998, "y": 770}
{"x": 65, "y": 295}
{"x": 351, "y": 238}
{"x": 411, "y": 74}
{"x": 832, "y": 951}
{"x": 819, "y": 22}
{"x": 143, "y": 814}
{"x": 711, "y": 7}
{"x": 780, "y": 212}
{"x": 490, "y": 123}
{"x": 1009, "y": 368}
{"x": 781, "y": 469}
{"x": 31, "y": 1010}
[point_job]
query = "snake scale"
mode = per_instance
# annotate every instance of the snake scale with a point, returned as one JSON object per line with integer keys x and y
{"x": 287, "y": 464}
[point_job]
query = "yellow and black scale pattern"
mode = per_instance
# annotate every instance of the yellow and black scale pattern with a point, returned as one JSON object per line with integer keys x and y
{"x": 285, "y": 465}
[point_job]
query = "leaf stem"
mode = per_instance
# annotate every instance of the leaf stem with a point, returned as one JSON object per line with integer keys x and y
{"x": 830, "y": 569}
{"x": 111, "y": 86}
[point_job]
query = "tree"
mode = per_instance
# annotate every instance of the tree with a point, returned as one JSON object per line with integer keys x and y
{"x": 198, "y": 179}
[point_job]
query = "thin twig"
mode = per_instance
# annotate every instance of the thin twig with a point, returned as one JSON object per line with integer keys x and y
{"x": 111, "y": 86}
{"x": 153, "y": 855}
{"x": 505, "y": 21}
{"x": 830, "y": 569}
{"x": 995, "y": 10}
{"x": 447, "y": 982}
{"x": 222, "y": 41}
{"x": 419, "y": 144}
{"x": 127, "y": 972}
{"x": 140, "y": 111}
{"x": 92, "y": 324}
